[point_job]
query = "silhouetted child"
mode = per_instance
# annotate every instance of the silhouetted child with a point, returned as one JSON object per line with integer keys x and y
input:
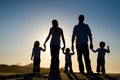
{"x": 36, "y": 54}
{"x": 101, "y": 57}
{"x": 68, "y": 61}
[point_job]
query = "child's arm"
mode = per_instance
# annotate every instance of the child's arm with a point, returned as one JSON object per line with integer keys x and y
{"x": 32, "y": 56}
{"x": 108, "y": 50}
{"x": 44, "y": 48}
{"x": 63, "y": 50}
{"x": 73, "y": 52}
{"x": 94, "y": 50}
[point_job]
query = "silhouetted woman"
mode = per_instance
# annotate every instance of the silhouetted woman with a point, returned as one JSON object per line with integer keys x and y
{"x": 56, "y": 33}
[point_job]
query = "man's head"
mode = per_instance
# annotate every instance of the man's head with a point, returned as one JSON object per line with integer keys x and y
{"x": 81, "y": 18}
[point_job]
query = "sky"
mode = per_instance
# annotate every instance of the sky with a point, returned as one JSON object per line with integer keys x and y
{"x": 22, "y": 22}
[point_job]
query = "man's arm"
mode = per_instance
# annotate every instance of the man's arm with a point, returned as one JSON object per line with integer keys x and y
{"x": 73, "y": 38}
{"x": 63, "y": 39}
{"x": 63, "y": 50}
{"x": 91, "y": 42}
{"x": 94, "y": 50}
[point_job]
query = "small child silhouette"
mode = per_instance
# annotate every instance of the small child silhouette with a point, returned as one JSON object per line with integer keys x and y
{"x": 101, "y": 57}
{"x": 36, "y": 54}
{"x": 68, "y": 61}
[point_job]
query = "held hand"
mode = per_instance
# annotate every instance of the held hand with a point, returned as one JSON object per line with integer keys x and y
{"x": 108, "y": 46}
{"x": 91, "y": 46}
{"x": 63, "y": 48}
{"x": 44, "y": 45}
{"x": 72, "y": 47}
{"x": 73, "y": 52}
{"x": 31, "y": 58}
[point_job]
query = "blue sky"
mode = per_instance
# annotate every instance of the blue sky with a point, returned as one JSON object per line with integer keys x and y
{"x": 24, "y": 21}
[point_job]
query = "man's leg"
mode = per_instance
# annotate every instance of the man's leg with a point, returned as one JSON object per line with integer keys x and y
{"x": 79, "y": 58}
{"x": 87, "y": 58}
{"x": 70, "y": 66}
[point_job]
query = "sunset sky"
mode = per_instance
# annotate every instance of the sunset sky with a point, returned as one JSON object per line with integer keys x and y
{"x": 22, "y": 22}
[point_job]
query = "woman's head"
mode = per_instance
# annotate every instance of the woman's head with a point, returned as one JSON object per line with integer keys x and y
{"x": 36, "y": 44}
{"x": 55, "y": 23}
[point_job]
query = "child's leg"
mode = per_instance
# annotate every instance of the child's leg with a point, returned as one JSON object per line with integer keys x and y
{"x": 66, "y": 67}
{"x": 38, "y": 65}
{"x": 34, "y": 66}
{"x": 70, "y": 66}
{"x": 103, "y": 67}
{"x": 98, "y": 66}
{"x": 38, "y": 68}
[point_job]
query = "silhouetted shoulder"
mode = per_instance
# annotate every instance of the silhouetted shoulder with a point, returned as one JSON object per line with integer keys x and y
{"x": 86, "y": 25}
{"x": 76, "y": 26}
{"x": 60, "y": 29}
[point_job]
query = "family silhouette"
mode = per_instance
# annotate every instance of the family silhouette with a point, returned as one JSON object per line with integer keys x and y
{"x": 81, "y": 34}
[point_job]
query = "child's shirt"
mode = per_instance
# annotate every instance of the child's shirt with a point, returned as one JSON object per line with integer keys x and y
{"x": 37, "y": 52}
{"x": 68, "y": 57}
{"x": 101, "y": 53}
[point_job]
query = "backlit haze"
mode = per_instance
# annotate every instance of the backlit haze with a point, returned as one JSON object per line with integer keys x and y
{"x": 22, "y": 22}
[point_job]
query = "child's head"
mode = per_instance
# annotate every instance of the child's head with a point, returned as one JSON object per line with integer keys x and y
{"x": 36, "y": 44}
{"x": 102, "y": 44}
{"x": 67, "y": 50}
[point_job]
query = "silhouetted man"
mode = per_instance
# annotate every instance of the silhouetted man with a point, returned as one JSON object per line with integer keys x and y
{"x": 81, "y": 32}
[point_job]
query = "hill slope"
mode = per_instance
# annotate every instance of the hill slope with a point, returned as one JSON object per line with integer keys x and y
{"x": 15, "y": 72}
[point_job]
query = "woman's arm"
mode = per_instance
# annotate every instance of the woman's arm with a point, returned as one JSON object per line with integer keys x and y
{"x": 47, "y": 38}
{"x": 43, "y": 49}
{"x": 32, "y": 56}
